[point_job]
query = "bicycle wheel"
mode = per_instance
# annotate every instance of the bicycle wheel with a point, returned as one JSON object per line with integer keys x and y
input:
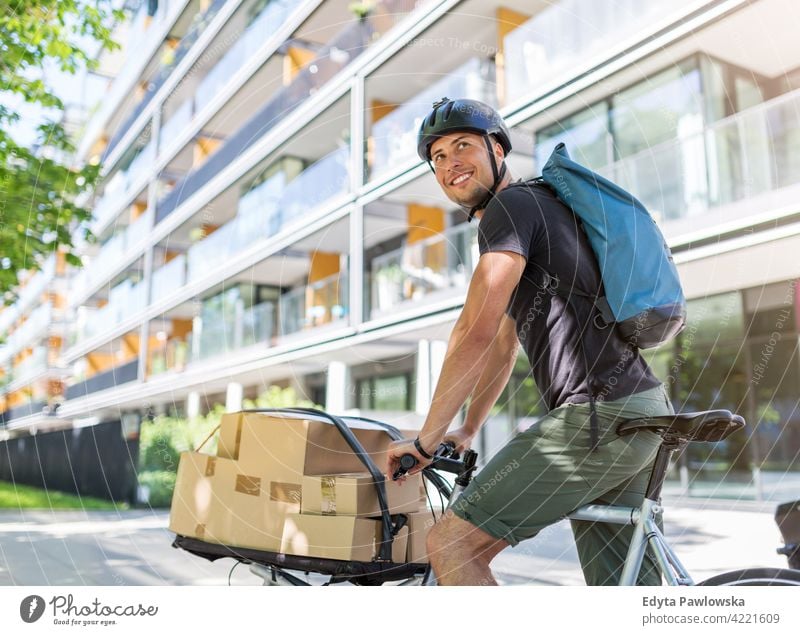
{"x": 755, "y": 577}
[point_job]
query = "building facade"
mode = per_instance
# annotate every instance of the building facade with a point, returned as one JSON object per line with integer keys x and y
{"x": 263, "y": 217}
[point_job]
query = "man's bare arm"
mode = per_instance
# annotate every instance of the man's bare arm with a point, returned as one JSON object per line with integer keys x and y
{"x": 469, "y": 348}
{"x": 502, "y": 357}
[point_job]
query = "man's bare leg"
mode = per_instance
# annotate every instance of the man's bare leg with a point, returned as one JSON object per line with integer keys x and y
{"x": 460, "y": 553}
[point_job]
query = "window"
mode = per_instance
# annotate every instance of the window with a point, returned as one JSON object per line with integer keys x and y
{"x": 664, "y": 107}
{"x": 585, "y": 134}
{"x": 391, "y": 392}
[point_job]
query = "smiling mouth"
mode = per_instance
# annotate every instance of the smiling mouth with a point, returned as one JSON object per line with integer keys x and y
{"x": 461, "y": 178}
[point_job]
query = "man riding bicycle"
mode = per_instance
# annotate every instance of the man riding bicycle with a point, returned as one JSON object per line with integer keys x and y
{"x": 556, "y": 465}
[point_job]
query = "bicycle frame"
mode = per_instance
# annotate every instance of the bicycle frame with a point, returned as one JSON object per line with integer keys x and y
{"x": 646, "y": 534}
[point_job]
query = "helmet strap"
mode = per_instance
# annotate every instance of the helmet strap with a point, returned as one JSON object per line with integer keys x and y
{"x": 498, "y": 177}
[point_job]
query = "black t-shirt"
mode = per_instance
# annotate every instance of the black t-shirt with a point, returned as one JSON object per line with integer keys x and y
{"x": 528, "y": 219}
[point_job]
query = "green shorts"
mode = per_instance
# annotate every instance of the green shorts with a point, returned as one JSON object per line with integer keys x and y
{"x": 546, "y": 472}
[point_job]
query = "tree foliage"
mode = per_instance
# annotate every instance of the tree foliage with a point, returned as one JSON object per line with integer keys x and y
{"x": 38, "y": 212}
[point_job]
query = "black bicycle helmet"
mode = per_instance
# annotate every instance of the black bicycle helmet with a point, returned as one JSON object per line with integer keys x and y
{"x": 469, "y": 115}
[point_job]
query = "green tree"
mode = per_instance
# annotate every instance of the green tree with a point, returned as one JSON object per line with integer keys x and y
{"x": 37, "y": 194}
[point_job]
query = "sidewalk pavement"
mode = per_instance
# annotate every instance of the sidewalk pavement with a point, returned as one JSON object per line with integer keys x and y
{"x": 134, "y": 548}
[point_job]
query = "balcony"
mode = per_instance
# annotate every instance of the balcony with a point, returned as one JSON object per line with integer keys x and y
{"x": 33, "y": 365}
{"x": 754, "y": 152}
{"x": 122, "y": 374}
{"x": 431, "y": 269}
{"x": 261, "y": 215}
{"x": 140, "y": 52}
{"x": 124, "y": 301}
{"x": 555, "y": 42}
{"x": 38, "y": 321}
{"x": 122, "y": 186}
{"x": 112, "y": 254}
{"x": 168, "y": 279}
{"x": 318, "y": 183}
{"x": 199, "y": 25}
{"x": 257, "y": 33}
{"x": 172, "y": 356}
{"x": 25, "y": 410}
{"x": 28, "y": 295}
{"x": 229, "y": 332}
{"x": 394, "y": 137}
{"x": 347, "y": 46}
{"x": 173, "y": 126}
{"x": 314, "y": 305}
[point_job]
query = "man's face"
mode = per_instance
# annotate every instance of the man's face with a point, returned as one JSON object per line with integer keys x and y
{"x": 462, "y": 167}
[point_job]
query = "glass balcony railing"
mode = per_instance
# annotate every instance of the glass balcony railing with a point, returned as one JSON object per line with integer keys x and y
{"x": 103, "y": 264}
{"x": 121, "y": 186}
{"x": 168, "y": 279}
{"x": 122, "y": 374}
{"x": 199, "y": 25}
{"x": 37, "y": 322}
{"x": 313, "y": 305}
{"x": 432, "y": 266}
{"x": 256, "y": 34}
{"x": 318, "y": 183}
{"x": 212, "y": 252}
{"x": 124, "y": 300}
{"x": 554, "y": 41}
{"x": 173, "y": 356}
{"x": 394, "y": 137}
{"x": 261, "y": 215}
{"x": 747, "y": 154}
{"x": 31, "y": 366}
{"x": 173, "y": 127}
{"x": 228, "y": 332}
{"x": 347, "y": 46}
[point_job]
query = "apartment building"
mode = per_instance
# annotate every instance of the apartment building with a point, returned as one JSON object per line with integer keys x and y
{"x": 263, "y": 217}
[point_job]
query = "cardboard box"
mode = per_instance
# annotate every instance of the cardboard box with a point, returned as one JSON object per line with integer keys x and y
{"x": 291, "y": 447}
{"x": 230, "y": 435}
{"x": 215, "y": 500}
{"x": 193, "y": 498}
{"x": 419, "y": 524}
{"x": 356, "y": 495}
{"x": 338, "y": 538}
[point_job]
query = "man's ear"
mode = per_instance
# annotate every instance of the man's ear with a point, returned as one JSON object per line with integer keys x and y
{"x": 499, "y": 153}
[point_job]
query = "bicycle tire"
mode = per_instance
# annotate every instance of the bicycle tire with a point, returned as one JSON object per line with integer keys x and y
{"x": 755, "y": 577}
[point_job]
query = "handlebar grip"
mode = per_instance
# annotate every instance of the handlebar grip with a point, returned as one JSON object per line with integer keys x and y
{"x": 408, "y": 461}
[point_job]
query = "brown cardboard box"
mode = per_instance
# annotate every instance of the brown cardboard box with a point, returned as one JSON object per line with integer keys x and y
{"x": 193, "y": 498}
{"x": 291, "y": 447}
{"x": 338, "y": 538}
{"x": 419, "y": 524}
{"x": 216, "y": 501}
{"x": 355, "y": 495}
{"x": 230, "y": 435}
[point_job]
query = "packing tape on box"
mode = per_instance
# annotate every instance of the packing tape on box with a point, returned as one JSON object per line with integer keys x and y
{"x": 250, "y": 485}
{"x": 328, "y": 487}
{"x": 284, "y": 492}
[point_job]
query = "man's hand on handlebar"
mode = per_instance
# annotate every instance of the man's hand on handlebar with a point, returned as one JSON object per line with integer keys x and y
{"x": 460, "y": 438}
{"x": 396, "y": 451}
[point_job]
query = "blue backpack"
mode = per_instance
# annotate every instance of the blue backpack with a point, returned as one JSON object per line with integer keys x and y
{"x": 643, "y": 294}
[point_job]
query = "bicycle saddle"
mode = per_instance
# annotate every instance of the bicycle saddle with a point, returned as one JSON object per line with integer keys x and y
{"x": 708, "y": 425}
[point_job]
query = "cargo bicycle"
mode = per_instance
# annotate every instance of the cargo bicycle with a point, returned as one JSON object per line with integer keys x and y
{"x": 675, "y": 430}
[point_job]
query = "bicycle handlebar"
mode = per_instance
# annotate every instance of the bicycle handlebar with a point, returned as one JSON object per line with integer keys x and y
{"x": 445, "y": 458}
